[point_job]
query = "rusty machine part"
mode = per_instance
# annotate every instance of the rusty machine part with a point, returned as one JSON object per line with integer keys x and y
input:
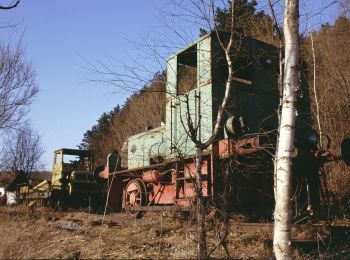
{"x": 340, "y": 153}
{"x": 229, "y": 147}
{"x": 152, "y": 176}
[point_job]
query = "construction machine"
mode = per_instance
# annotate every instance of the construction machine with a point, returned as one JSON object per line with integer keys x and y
{"x": 72, "y": 183}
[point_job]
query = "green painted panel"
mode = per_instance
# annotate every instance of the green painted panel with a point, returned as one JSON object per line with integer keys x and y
{"x": 139, "y": 146}
{"x": 170, "y": 124}
{"x": 199, "y": 111}
{"x": 206, "y": 112}
{"x": 204, "y": 62}
{"x": 171, "y": 74}
{"x": 194, "y": 106}
{"x": 187, "y": 110}
{"x": 170, "y": 114}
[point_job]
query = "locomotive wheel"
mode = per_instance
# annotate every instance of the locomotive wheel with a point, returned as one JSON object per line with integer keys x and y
{"x": 135, "y": 196}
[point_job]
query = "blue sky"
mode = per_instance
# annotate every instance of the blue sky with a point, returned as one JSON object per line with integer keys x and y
{"x": 59, "y": 38}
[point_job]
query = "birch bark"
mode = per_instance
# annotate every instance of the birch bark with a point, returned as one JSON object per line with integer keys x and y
{"x": 283, "y": 214}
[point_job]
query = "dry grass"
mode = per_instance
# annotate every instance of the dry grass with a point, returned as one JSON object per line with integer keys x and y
{"x": 28, "y": 235}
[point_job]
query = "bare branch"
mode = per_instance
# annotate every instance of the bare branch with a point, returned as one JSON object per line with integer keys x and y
{"x": 17, "y": 86}
{"x": 10, "y": 6}
{"x": 22, "y": 151}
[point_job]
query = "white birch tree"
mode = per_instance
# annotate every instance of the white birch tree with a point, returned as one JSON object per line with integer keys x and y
{"x": 285, "y": 145}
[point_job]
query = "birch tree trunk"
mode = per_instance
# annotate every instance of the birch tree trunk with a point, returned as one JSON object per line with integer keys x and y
{"x": 283, "y": 213}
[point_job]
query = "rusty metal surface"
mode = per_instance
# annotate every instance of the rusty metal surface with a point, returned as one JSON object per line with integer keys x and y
{"x": 128, "y": 172}
{"x": 162, "y": 208}
{"x": 229, "y": 147}
{"x": 152, "y": 176}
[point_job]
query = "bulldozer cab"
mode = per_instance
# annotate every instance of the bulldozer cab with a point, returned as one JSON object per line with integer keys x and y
{"x": 66, "y": 161}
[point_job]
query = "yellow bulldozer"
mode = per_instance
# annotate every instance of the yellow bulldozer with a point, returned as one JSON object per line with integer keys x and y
{"x": 72, "y": 183}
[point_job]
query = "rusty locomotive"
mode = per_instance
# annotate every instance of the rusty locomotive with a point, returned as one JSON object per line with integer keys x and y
{"x": 155, "y": 169}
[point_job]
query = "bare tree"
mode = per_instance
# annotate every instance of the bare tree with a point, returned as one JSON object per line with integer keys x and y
{"x": 22, "y": 151}
{"x": 17, "y": 86}
{"x": 201, "y": 146}
{"x": 344, "y": 7}
{"x": 285, "y": 145}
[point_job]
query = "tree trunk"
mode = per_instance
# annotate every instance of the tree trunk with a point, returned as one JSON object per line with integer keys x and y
{"x": 202, "y": 244}
{"x": 202, "y": 247}
{"x": 283, "y": 214}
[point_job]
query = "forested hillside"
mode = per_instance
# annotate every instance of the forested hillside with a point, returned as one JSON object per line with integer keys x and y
{"x": 332, "y": 66}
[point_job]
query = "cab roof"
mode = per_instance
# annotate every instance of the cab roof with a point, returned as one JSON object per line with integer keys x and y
{"x": 73, "y": 152}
